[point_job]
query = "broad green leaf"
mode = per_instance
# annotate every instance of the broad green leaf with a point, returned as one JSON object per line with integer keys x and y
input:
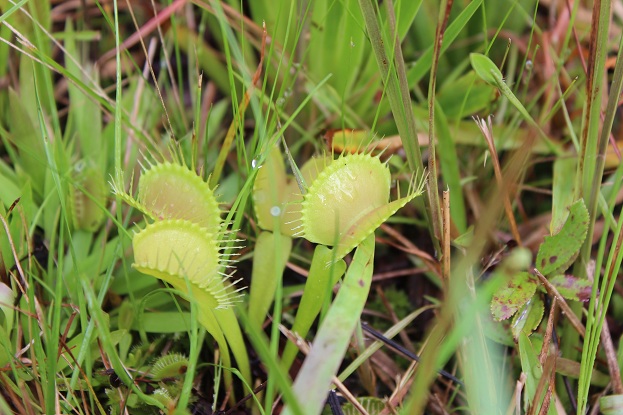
{"x": 485, "y": 68}
{"x": 498, "y": 331}
{"x": 464, "y": 96}
{"x": 327, "y": 352}
{"x": 517, "y": 292}
{"x": 559, "y": 251}
{"x": 136, "y": 283}
{"x": 6, "y": 348}
{"x": 87, "y": 196}
{"x": 424, "y": 63}
{"x": 451, "y": 171}
{"x": 323, "y": 274}
{"x": 84, "y": 112}
{"x": 10, "y": 190}
{"x": 528, "y": 318}
{"x": 611, "y": 405}
{"x": 7, "y": 311}
{"x": 269, "y": 189}
{"x": 562, "y": 188}
{"x": 529, "y": 356}
{"x": 572, "y": 288}
{"x": 571, "y": 369}
{"x": 26, "y": 136}
{"x": 269, "y": 260}
{"x": 489, "y": 72}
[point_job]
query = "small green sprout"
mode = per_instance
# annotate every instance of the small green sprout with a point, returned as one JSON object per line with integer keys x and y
{"x": 171, "y": 365}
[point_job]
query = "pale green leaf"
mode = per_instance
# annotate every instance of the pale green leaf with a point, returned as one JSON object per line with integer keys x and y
{"x": 557, "y": 252}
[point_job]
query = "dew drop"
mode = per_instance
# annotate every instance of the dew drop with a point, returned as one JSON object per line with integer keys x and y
{"x": 80, "y": 166}
{"x": 280, "y": 101}
{"x": 529, "y": 64}
{"x": 275, "y": 211}
{"x": 254, "y": 164}
{"x": 352, "y": 44}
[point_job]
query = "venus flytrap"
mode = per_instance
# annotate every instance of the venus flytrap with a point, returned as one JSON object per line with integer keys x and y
{"x": 341, "y": 207}
{"x": 348, "y": 200}
{"x": 184, "y": 246}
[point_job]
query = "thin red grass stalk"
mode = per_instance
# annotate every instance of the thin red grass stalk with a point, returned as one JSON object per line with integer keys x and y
{"x": 446, "y": 239}
{"x": 551, "y": 290}
{"x": 433, "y": 188}
{"x": 151, "y": 69}
{"x": 151, "y": 25}
{"x": 487, "y": 131}
{"x": 231, "y": 132}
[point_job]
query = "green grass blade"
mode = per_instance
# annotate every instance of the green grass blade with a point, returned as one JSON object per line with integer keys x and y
{"x": 449, "y": 162}
{"x": 588, "y": 182}
{"x": 279, "y": 374}
{"x": 425, "y": 62}
{"x": 393, "y": 73}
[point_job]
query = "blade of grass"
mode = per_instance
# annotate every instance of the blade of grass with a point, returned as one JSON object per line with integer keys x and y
{"x": 13, "y": 9}
{"x": 51, "y": 334}
{"x": 395, "y": 79}
{"x": 457, "y": 316}
{"x": 451, "y": 171}
{"x": 238, "y": 118}
{"x": 377, "y": 344}
{"x": 425, "y": 61}
{"x": 593, "y": 177}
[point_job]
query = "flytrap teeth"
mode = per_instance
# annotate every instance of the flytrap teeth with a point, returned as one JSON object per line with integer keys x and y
{"x": 173, "y": 191}
{"x": 179, "y": 251}
{"x": 347, "y": 201}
